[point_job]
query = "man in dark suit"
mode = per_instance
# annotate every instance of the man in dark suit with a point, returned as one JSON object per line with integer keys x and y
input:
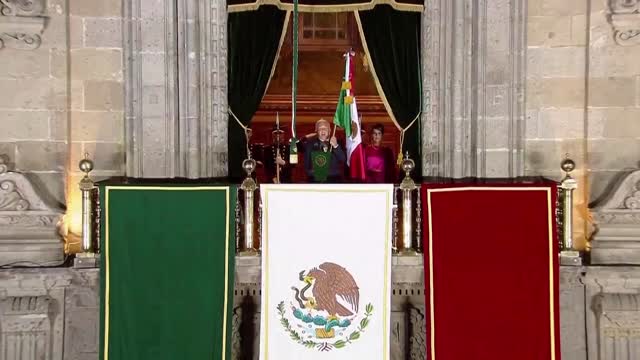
{"x": 324, "y": 143}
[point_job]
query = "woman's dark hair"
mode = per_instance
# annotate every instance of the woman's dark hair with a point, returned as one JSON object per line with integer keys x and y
{"x": 378, "y": 127}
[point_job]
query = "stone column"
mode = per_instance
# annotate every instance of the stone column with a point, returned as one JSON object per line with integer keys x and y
{"x": 473, "y": 71}
{"x": 176, "y": 88}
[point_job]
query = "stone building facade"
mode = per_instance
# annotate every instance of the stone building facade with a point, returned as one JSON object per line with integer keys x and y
{"x": 509, "y": 88}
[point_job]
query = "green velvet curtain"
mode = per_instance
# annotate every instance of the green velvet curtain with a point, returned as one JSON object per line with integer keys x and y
{"x": 253, "y": 39}
{"x": 393, "y": 40}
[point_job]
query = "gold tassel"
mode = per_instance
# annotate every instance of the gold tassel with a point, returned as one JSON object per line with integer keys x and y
{"x": 348, "y": 100}
{"x": 399, "y": 161}
{"x": 346, "y": 85}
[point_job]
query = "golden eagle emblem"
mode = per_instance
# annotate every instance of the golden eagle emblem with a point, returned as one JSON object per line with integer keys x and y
{"x": 320, "y": 161}
{"x": 330, "y": 282}
{"x": 332, "y": 310}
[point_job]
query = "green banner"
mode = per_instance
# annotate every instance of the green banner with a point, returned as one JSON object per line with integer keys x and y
{"x": 320, "y": 165}
{"x": 166, "y": 272}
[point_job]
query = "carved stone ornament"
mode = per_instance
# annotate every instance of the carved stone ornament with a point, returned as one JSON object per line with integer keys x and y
{"x": 418, "y": 339}
{"x": 618, "y": 325}
{"x": 28, "y": 223}
{"x": 26, "y": 327}
{"x": 21, "y": 24}
{"x": 617, "y": 218}
{"x": 625, "y": 20}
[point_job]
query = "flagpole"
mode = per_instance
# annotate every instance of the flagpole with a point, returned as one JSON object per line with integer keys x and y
{"x": 346, "y": 78}
{"x": 333, "y": 134}
{"x": 294, "y": 75}
{"x": 293, "y": 149}
{"x": 277, "y": 147}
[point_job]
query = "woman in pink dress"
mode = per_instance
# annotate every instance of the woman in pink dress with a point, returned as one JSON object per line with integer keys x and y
{"x": 379, "y": 164}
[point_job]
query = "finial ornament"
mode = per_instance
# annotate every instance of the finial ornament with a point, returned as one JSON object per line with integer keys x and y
{"x": 86, "y": 166}
{"x": 249, "y": 165}
{"x": 567, "y": 165}
{"x": 407, "y": 164}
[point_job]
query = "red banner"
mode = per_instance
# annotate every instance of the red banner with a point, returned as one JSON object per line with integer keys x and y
{"x": 491, "y": 272}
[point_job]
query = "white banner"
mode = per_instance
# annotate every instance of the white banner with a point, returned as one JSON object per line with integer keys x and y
{"x": 326, "y": 271}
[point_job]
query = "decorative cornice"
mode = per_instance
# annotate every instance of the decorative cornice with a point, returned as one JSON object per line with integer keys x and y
{"x": 37, "y": 220}
{"x": 625, "y": 20}
{"x": 21, "y": 24}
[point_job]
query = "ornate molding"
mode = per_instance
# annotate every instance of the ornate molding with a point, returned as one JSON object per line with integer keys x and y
{"x": 26, "y": 327}
{"x": 236, "y": 346}
{"x": 18, "y": 194}
{"x": 28, "y": 223}
{"x": 618, "y": 323}
{"x": 625, "y": 20}
{"x": 623, "y": 199}
{"x": 21, "y": 7}
{"x": 617, "y": 218}
{"x": 10, "y": 198}
{"x": 21, "y": 24}
{"x": 632, "y": 201}
{"x": 418, "y": 338}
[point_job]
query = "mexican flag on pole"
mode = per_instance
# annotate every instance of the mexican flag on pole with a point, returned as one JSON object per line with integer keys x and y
{"x": 346, "y": 117}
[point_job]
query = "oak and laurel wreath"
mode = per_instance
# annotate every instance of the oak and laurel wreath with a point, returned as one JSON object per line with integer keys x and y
{"x": 325, "y": 346}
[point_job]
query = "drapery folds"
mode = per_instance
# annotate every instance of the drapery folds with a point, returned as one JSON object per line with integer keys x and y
{"x": 254, "y": 40}
{"x": 392, "y": 42}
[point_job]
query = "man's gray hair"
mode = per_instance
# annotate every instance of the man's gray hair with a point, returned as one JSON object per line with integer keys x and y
{"x": 320, "y": 122}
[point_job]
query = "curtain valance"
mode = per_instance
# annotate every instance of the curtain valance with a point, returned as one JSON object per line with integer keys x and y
{"x": 326, "y": 5}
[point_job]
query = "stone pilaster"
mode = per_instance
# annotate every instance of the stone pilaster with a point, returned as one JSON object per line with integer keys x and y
{"x": 473, "y": 71}
{"x": 573, "y": 337}
{"x": 176, "y": 81}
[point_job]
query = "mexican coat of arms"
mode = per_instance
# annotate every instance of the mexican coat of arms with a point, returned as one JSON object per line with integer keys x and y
{"x": 331, "y": 317}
